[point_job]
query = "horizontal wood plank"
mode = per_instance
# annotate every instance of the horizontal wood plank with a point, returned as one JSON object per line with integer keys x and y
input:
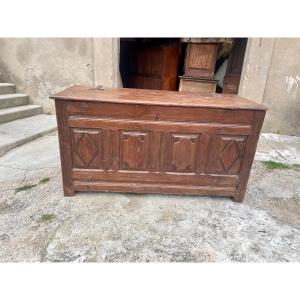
{"x": 158, "y": 126}
{"x": 159, "y": 113}
{"x": 153, "y": 188}
{"x": 156, "y": 97}
{"x": 156, "y": 177}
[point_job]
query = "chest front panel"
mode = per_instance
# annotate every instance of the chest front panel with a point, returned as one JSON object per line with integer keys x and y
{"x": 191, "y": 147}
{"x": 151, "y": 141}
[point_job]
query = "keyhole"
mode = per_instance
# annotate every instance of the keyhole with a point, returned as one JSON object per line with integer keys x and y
{"x": 83, "y": 106}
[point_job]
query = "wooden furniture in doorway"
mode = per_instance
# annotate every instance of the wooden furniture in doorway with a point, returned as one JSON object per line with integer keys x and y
{"x": 201, "y": 59}
{"x": 195, "y": 84}
{"x": 199, "y": 67}
{"x": 234, "y": 67}
{"x": 154, "y": 68}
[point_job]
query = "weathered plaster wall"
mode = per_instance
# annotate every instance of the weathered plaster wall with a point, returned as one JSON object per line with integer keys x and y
{"x": 39, "y": 67}
{"x": 42, "y": 66}
{"x": 106, "y": 62}
{"x": 256, "y": 66}
{"x": 282, "y": 91}
{"x": 271, "y": 75}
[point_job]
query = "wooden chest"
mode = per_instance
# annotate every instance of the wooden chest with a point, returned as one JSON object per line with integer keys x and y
{"x": 149, "y": 141}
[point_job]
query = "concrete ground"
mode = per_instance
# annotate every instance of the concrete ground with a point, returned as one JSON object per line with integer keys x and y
{"x": 39, "y": 224}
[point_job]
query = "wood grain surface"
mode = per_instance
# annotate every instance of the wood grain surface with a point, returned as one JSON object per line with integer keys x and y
{"x": 157, "y": 97}
{"x": 108, "y": 143}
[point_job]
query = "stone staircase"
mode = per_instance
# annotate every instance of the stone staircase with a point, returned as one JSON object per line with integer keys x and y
{"x": 20, "y": 122}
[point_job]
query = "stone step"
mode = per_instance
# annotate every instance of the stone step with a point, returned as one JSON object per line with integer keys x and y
{"x": 12, "y": 100}
{"x": 7, "y": 88}
{"x": 18, "y": 132}
{"x": 19, "y": 112}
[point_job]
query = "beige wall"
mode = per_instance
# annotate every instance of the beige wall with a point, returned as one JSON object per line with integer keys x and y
{"x": 271, "y": 75}
{"x": 42, "y": 66}
{"x": 256, "y": 67}
{"x": 282, "y": 92}
{"x": 106, "y": 62}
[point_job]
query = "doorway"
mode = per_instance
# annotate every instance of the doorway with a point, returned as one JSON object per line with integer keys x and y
{"x": 201, "y": 64}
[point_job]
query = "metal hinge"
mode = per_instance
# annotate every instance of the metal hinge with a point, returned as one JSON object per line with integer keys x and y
{"x": 98, "y": 88}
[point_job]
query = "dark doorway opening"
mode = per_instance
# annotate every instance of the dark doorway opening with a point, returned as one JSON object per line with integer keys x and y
{"x": 150, "y": 63}
{"x": 182, "y": 64}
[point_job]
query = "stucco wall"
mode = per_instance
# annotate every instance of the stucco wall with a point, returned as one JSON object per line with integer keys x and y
{"x": 256, "y": 67}
{"x": 282, "y": 91}
{"x": 42, "y": 66}
{"x": 271, "y": 75}
{"x": 106, "y": 62}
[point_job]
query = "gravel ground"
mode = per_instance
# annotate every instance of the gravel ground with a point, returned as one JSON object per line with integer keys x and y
{"x": 39, "y": 224}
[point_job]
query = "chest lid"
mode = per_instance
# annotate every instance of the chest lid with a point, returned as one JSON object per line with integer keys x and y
{"x": 156, "y": 97}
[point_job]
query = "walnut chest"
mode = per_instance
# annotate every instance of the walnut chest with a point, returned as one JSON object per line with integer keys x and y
{"x": 150, "y": 141}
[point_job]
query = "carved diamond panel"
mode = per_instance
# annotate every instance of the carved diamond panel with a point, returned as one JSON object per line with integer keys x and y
{"x": 229, "y": 153}
{"x": 86, "y": 148}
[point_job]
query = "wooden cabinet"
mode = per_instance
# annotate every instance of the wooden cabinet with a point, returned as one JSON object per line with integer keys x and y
{"x": 199, "y": 68}
{"x": 145, "y": 141}
{"x": 154, "y": 68}
{"x": 201, "y": 59}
